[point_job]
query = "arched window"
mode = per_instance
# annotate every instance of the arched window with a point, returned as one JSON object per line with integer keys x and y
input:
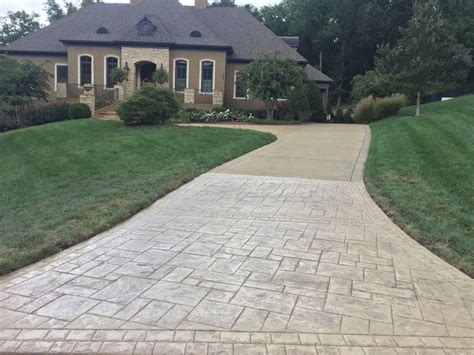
{"x": 111, "y": 63}
{"x": 85, "y": 70}
{"x": 180, "y": 75}
{"x": 207, "y": 76}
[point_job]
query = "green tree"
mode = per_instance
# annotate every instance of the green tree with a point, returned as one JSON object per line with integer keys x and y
{"x": 223, "y": 3}
{"x": 16, "y": 25}
{"x": 427, "y": 58}
{"x": 53, "y": 10}
{"x": 276, "y": 18}
{"x": 270, "y": 79}
{"x": 20, "y": 83}
{"x": 70, "y": 7}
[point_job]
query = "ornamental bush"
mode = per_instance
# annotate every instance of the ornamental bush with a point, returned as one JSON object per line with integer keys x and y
{"x": 364, "y": 111}
{"x": 227, "y": 115}
{"x": 77, "y": 111}
{"x": 148, "y": 106}
{"x": 339, "y": 117}
{"x": 389, "y": 106}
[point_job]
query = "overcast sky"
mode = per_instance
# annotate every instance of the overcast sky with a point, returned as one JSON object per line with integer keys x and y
{"x": 37, "y": 5}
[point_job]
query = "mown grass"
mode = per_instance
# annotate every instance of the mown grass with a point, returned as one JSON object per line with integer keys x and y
{"x": 62, "y": 183}
{"x": 420, "y": 171}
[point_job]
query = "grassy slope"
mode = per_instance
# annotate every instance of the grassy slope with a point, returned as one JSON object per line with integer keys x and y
{"x": 62, "y": 183}
{"x": 420, "y": 171}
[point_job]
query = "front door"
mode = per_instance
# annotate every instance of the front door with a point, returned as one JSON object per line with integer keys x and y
{"x": 146, "y": 72}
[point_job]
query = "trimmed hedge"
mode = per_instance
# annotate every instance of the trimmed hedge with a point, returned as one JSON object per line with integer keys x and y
{"x": 47, "y": 114}
{"x": 369, "y": 109}
{"x": 389, "y": 106}
{"x": 364, "y": 111}
{"x": 77, "y": 111}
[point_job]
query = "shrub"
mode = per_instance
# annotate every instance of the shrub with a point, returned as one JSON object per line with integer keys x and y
{"x": 77, "y": 111}
{"x": 389, "y": 106}
{"x": 7, "y": 117}
{"x": 149, "y": 105}
{"x": 339, "y": 118}
{"x": 46, "y": 114}
{"x": 219, "y": 109}
{"x": 348, "y": 116}
{"x": 199, "y": 116}
{"x": 365, "y": 111}
{"x": 315, "y": 103}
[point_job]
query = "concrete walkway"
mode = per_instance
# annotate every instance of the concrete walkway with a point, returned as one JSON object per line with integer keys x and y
{"x": 246, "y": 264}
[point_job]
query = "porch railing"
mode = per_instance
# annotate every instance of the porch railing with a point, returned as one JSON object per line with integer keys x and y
{"x": 105, "y": 98}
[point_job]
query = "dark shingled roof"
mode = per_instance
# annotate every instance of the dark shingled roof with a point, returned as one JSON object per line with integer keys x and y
{"x": 233, "y": 29}
{"x": 292, "y": 41}
{"x": 316, "y": 75}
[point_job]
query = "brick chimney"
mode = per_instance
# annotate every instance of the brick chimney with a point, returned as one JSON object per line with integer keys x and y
{"x": 200, "y": 4}
{"x": 135, "y": 2}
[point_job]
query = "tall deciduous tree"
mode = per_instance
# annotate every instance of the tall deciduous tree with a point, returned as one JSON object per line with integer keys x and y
{"x": 16, "y": 25}
{"x": 427, "y": 57}
{"x": 53, "y": 10}
{"x": 20, "y": 83}
{"x": 270, "y": 79}
{"x": 223, "y": 3}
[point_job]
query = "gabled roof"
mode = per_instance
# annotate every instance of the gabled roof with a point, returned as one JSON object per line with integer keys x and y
{"x": 316, "y": 75}
{"x": 231, "y": 29}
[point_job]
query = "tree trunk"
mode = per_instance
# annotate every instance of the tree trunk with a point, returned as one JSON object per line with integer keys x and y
{"x": 418, "y": 104}
{"x": 339, "y": 97}
{"x": 269, "y": 109}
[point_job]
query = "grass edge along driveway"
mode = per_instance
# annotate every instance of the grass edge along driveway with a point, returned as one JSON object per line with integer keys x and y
{"x": 65, "y": 182}
{"x": 420, "y": 171}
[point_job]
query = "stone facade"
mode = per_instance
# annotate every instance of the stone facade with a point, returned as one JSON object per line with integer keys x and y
{"x": 217, "y": 98}
{"x": 134, "y": 55}
{"x": 189, "y": 96}
{"x": 61, "y": 91}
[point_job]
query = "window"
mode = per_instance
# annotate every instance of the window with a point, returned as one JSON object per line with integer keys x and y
{"x": 207, "y": 76}
{"x": 180, "y": 75}
{"x": 85, "y": 70}
{"x": 61, "y": 74}
{"x": 240, "y": 92}
{"x": 111, "y": 63}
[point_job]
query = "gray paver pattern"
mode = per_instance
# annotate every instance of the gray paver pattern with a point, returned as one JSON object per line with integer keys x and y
{"x": 244, "y": 264}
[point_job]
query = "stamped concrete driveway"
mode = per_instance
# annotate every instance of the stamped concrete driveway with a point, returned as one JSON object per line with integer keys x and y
{"x": 245, "y": 264}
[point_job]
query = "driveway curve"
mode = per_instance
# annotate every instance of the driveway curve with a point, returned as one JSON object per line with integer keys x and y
{"x": 242, "y": 262}
{"x": 312, "y": 151}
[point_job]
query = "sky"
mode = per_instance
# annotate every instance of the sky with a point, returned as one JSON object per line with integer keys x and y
{"x": 37, "y": 5}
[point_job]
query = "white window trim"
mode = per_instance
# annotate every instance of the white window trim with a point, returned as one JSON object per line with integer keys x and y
{"x": 56, "y": 65}
{"x": 213, "y": 76}
{"x": 174, "y": 73}
{"x": 243, "y": 98}
{"x": 105, "y": 68}
{"x": 79, "y": 68}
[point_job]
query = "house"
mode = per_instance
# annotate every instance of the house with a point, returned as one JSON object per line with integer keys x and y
{"x": 202, "y": 48}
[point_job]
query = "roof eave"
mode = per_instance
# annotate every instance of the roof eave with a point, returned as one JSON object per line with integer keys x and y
{"x": 30, "y": 52}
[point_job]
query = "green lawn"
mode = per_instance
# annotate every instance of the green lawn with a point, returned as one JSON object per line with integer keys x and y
{"x": 62, "y": 183}
{"x": 421, "y": 172}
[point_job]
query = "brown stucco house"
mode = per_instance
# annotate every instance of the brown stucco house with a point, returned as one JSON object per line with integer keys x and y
{"x": 202, "y": 48}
